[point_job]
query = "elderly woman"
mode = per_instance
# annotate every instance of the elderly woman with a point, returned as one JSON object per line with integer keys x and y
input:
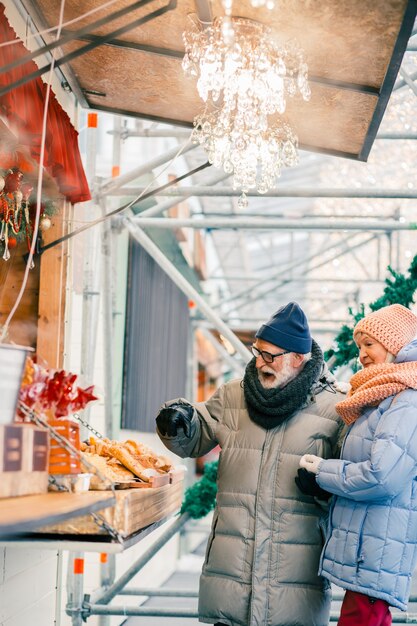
{"x": 371, "y": 546}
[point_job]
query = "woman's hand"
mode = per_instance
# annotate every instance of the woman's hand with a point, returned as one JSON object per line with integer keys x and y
{"x": 311, "y": 463}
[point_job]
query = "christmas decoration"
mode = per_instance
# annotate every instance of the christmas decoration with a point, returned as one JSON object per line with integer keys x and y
{"x": 45, "y": 223}
{"x": 399, "y": 289}
{"x": 53, "y": 392}
{"x": 200, "y": 498}
{"x": 18, "y": 211}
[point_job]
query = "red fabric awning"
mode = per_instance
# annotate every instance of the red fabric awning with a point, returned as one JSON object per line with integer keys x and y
{"x": 24, "y": 106}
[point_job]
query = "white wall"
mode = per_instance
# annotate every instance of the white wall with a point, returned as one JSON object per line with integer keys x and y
{"x": 28, "y": 582}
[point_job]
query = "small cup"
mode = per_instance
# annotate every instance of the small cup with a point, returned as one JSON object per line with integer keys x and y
{"x": 81, "y": 483}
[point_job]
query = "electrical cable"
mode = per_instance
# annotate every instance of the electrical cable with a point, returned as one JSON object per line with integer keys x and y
{"x": 142, "y": 196}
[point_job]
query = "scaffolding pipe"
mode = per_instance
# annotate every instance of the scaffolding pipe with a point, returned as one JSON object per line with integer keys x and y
{"x": 330, "y": 224}
{"x": 409, "y": 80}
{"x": 152, "y": 249}
{"x": 177, "y": 133}
{"x": 228, "y": 358}
{"x": 107, "y": 295}
{"x": 192, "y": 593}
{"x": 91, "y": 275}
{"x": 316, "y": 331}
{"x": 75, "y": 598}
{"x": 160, "y": 593}
{"x": 129, "y": 611}
{"x": 299, "y": 279}
{"x": 107, "y": 186}
{"x": 114, "y": 589}
{"x": 401, "y": 83}
{"x": 184, "y": 133}
{"x": 289, "y": 267}
{"x": 288, "y": 192}
{"x": 258, "y": 320}
{"x": 256, "y": 297}
{"x": 399, "y": 136}
{"x": 168, "y": 204}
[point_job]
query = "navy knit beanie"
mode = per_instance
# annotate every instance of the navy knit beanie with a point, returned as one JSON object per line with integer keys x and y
{"x": 287, "y": 329}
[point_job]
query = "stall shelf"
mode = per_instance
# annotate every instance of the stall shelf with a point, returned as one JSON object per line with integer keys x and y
{"x": 79, "y": 605}
{"x": 28, "y": 513}
{"x": 76, "y": 543}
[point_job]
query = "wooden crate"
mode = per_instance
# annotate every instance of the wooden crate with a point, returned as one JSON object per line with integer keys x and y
{"x": 60, "y": 460}
{"x": 134, "y": 509}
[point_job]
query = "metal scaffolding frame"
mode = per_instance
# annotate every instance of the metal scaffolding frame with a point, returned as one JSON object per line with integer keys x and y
{"x": 320, "y": 224}
{"x": 286, "y": 192}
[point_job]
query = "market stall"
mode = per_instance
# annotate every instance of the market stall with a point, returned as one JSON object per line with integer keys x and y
{"x": 97, "y": 495}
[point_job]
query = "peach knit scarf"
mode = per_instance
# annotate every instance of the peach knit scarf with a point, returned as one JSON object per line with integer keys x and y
{"x": 375, "y": 383}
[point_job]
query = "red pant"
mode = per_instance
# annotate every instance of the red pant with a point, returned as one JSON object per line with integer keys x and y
{"x": 360, "y": 610}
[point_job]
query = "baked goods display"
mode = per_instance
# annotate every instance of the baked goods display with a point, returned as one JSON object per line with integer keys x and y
{"x": 127, "y": 463}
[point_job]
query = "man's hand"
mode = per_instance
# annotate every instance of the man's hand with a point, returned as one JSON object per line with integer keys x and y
{"x": 173, "y": 417}
{"x": 306, "y": 482}
{"x": 311, "y": 463}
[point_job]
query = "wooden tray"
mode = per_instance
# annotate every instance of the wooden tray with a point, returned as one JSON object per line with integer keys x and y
{"x": 134, "y": 509}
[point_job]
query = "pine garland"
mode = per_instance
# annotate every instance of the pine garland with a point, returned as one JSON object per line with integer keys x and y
{"x": 200, "y": 498}
{"x": 399, "y": 289}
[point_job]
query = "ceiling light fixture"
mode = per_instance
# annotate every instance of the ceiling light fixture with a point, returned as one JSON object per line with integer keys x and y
{"x": 243, "y": 81}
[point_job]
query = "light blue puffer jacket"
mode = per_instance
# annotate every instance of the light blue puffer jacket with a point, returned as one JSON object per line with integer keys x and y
{"x": 372, "y": 540}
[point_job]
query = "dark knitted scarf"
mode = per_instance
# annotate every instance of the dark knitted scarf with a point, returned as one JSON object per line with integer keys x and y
{"x": 270, "y": 407}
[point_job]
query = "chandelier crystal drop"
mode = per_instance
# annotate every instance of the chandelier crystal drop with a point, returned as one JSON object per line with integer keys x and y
{"x": 243, "y": 80}
{"x": 257, "y": 4}
{"x": 254, "y": 157}
{"x": 269, "y": 4}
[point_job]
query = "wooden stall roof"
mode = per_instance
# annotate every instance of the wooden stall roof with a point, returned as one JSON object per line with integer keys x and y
{"x": 353, "y": 49}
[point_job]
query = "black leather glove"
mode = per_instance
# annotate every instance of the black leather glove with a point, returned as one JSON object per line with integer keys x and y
{"x": 306, "y": 482}
{"x": 173, "y": 417}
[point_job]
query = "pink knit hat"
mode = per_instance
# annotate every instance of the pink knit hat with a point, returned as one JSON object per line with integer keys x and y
{"x": 392, "y": 326}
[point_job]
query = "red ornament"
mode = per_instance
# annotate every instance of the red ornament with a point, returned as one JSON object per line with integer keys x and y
{"x": 55, "y": 392}
{"x": 32, "y": 209}
{"x": 83, "y": 397}
{"x": 12, "y": 242}
{"x": 44, "y": 223}
{"x": 12, "y": 180}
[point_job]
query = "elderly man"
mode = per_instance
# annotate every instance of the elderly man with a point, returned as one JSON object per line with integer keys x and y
{"x": 263, "y": 552}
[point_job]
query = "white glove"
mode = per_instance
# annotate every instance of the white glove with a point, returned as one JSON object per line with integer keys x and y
{"x": 341, "y": 386}
{"x": 311, "y": 463}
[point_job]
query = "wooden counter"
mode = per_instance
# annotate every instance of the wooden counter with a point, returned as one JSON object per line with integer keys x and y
{"x": 28, "y": 513}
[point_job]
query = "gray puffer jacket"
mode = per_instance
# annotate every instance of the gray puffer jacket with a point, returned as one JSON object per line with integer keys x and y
{"x": 263, "y": 553}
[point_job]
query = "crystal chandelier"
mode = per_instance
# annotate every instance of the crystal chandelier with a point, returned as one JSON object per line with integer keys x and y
{"x": 244, "y": 79}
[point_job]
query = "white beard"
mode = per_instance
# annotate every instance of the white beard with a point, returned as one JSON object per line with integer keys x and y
{"x": 278, "y": 379}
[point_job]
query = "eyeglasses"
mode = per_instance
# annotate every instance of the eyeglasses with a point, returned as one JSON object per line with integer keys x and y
{"x": 267, "y": 356}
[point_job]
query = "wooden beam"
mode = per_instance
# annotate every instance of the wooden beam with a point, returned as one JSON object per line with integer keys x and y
{"x": 52, "y": 292}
